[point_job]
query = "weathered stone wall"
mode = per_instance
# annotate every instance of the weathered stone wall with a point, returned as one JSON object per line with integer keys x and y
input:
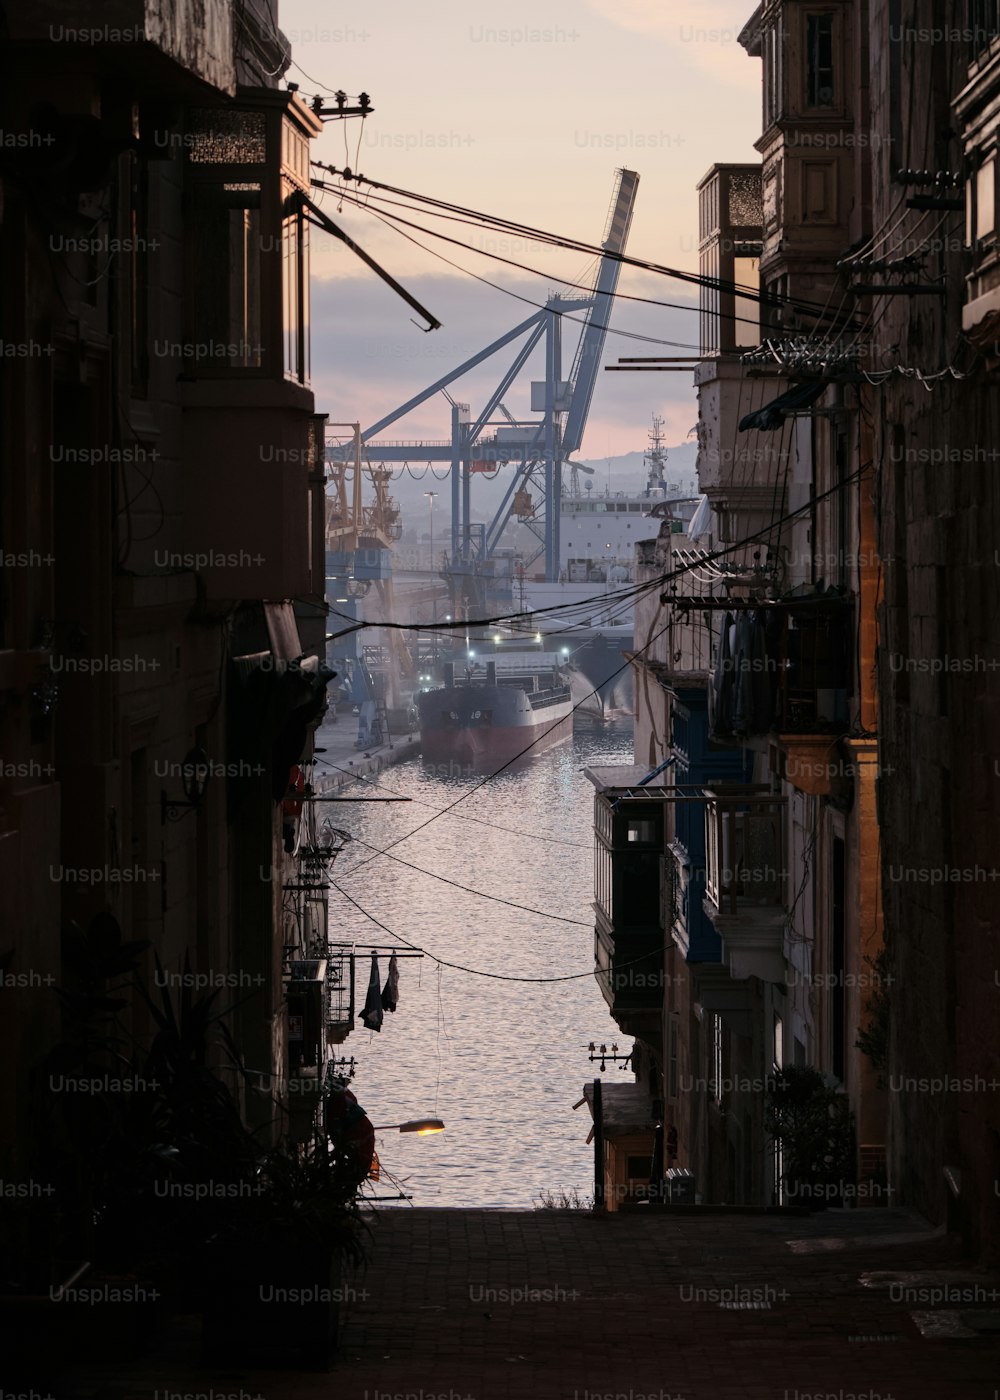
{"x": 938, "y": 498}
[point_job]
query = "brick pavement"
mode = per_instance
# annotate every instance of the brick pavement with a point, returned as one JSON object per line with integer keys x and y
{"x": 701, "y": 1306}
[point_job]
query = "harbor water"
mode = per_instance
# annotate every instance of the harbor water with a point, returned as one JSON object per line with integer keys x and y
{"x": 502, "y": 1062}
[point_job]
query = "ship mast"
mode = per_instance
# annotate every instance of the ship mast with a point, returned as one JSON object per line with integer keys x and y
{"x": 655, "y": 458}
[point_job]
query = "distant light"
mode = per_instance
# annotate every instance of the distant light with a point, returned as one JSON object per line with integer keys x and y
{"x": 340, "y": 600}
{"x": 422, "y": 1126}
{"x": 447, "y": 617}
{"x": 471, "y": 655}
{"x": 538, "y": 636}
{"x": 498, "y": 638}
{"x": 565, "y": 651}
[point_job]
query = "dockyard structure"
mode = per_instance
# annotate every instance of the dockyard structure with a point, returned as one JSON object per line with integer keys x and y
{"x": 161, "y": 497}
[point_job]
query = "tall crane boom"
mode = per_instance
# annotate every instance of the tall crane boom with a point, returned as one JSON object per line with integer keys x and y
{"x": 592, "y": 337}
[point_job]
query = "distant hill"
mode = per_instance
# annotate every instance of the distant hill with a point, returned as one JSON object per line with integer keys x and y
{"x": 628, "y": 472}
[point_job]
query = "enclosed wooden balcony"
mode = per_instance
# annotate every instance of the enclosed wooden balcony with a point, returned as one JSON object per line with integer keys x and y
{"x": 628, "y": 936}
{"x": 746, "y": 879}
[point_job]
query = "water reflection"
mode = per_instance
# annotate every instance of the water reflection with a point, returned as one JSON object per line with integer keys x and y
{"x": 502, "y": 1062}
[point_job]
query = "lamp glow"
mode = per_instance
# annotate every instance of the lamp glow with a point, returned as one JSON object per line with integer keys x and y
{"x": 423, "y": 1127}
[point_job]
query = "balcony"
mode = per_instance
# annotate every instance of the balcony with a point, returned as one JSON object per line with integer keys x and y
{"x": 782, "y": 666}
{"x": 628, "y": 935}
{"x": 746, "y": 878}
{"x": 306, "y": 998}
{"x": 339, "y": 992}
{"x": 729, "y": 234}
{"x": 253, "y": 448}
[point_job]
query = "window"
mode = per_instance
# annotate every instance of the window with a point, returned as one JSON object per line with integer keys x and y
{"x": 772, "y": 53}
{"x": 602, "y": 877}
{"x": 985, "y": 200}
{"x": 295, "y": 289}
{"x": 746, "y": 311}
{"x": 248, "y": 280}
{"x": 819, "y": 60}
{"x": 709, "y": 299}
{"x": 779, "y": 1056}
{"x": 226, "y": 300}
{"x": 641, "y": 833}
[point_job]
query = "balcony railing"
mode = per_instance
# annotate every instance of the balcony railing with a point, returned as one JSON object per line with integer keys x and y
{"x": 744, "y": 849}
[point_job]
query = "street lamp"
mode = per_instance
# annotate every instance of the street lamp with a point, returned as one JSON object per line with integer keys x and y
{"x": 422, "y": 1126}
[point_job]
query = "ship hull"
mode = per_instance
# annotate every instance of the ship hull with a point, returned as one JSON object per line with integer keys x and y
{"x": 477, "y": 727}
{"x": 600, "y": 661}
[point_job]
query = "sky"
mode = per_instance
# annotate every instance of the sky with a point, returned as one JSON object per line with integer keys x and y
{"x": 525, "y": 111}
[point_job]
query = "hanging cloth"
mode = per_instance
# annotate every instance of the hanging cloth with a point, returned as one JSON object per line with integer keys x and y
{"x": 390, "y": 992}
{"x": 372, "y": 1014}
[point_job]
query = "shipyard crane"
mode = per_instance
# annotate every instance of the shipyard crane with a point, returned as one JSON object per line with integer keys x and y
{"x": 352, "y": 526}
{"x": 535, "y": 447}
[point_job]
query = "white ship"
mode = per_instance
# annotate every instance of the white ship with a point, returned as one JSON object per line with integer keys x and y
{"x": 598, "y": 533}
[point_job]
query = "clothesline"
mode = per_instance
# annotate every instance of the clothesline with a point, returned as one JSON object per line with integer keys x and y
{"x": 375, "y": 948}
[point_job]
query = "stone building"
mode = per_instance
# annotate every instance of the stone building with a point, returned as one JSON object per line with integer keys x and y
{"x": 755, "y": 661}
{"x": 848, "y": 467}
{"x": 161, "y": 506}
{"x": 934, "y": 87}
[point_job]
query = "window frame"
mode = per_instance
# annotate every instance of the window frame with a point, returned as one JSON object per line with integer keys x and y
{"x": 809, "y": 18}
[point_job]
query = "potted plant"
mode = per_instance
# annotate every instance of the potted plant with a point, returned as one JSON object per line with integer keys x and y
{"x": 277, "y": 1271}
{"x": 815, "y": 1128}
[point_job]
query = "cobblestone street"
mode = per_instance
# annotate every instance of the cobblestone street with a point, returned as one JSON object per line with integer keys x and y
{"x": 488, "y": 1305}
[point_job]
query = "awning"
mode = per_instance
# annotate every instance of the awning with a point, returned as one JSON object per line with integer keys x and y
{"x": 773, "y": 414}
{"x": 700, "y": 524}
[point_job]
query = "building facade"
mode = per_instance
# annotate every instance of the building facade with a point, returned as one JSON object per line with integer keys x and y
{"x": 162, "y": 615}
{"x": 829, "y": 902}
{"x": 755, "y": 661}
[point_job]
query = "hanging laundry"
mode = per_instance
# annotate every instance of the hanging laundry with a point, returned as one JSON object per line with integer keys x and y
{"x": 390, "y": 992}
{"x": 371, "y": 1016}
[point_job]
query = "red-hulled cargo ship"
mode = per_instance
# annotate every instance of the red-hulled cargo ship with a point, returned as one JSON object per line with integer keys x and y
{"x": 490, "y": 720}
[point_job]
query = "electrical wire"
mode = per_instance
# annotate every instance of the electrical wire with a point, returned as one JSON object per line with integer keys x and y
{"x": 459, "y": 816}
{"x": 683, "y": 570}
{"x": 700, "y": 280}
{"x": 476, "y": 971}
{"x": 657, "y": 582}
{"x": 528, "y": 301}
{"x": 555, "y": 240}
{"x": 481, "y": 894}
